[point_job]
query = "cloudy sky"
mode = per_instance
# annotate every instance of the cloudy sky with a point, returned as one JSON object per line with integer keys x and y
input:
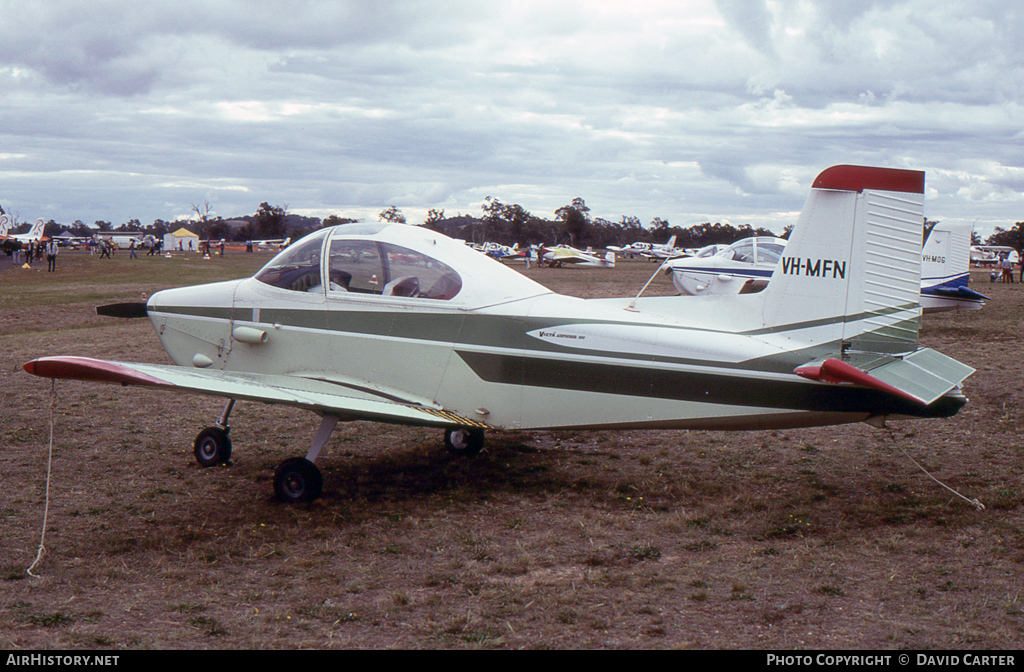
{"x": 692, "y": 111}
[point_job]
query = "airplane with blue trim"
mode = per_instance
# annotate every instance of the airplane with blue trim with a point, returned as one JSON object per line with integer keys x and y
{"x": 399, "y": 324}
{"x": 745, "y": 266}
{"x": 946, "y": 270}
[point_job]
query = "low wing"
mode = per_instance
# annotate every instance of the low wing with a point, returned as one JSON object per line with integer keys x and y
{"x": 323, "y": 396}
{"x": 922, "y": 376}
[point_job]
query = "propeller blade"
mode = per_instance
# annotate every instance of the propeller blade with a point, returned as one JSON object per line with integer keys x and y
{"x": 126, "y": 310}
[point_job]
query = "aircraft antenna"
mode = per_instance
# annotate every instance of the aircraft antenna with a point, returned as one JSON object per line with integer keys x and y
{"x": 632, "y": 304}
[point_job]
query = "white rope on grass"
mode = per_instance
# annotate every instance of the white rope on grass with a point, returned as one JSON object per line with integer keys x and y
{"x": 49, "y": 463}
{"x": 973, "y": 502}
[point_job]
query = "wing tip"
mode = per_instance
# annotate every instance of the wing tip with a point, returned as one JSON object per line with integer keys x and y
{"x": 87, "y": 368}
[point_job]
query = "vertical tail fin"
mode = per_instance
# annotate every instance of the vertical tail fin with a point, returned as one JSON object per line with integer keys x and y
{"x": 36, "y": 232}
{"x": 946, "y": 257}
{"x": 852, "y": 268}
{"x": 945, "y": 270}
{"x": 5, "y": 224}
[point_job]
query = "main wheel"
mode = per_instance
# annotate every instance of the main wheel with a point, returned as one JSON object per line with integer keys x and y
{"x": 464, "y": 440}
{"x": 297, "y": 480}
{"x": 212, "y": 447}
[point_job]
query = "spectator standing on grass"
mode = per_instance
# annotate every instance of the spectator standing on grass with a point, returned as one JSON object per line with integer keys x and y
{"x": 1007, "y": 267}
{"x": 222, "y": 253}
{"x": 16, "y": 253}
{"x": 131, "y": 250}
{"x": 30, "y": 252}
{"x": 104, "y": 249}
{"x": 51, "y": 256}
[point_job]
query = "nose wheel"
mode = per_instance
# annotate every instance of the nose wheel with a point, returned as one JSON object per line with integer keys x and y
{"x": 212, "y": 447}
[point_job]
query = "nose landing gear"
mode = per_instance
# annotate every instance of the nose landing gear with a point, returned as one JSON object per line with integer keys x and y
{"x": 213, "y": 445}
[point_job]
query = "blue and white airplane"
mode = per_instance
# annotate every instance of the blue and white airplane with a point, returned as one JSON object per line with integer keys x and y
{"x": 743, "y": 267}
{"x": 945, "y": 271}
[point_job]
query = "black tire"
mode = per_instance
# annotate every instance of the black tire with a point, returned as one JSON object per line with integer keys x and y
{"x": 464, "y": 440}
{"x": 212, "y": 447}
{"x": 297, "y": 480}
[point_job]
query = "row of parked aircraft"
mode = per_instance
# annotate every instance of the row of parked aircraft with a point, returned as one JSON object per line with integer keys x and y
{"x": 748, "y": 265}
{"x": 400, "y": 324}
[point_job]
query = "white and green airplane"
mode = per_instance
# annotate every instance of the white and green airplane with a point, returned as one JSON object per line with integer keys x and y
{"x": 395, "y": 323}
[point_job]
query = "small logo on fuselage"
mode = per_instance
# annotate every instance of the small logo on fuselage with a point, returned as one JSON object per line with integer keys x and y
{"x": 815, "y": 268}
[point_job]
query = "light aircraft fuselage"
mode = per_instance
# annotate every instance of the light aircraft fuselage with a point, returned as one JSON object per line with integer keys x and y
{"x": 401, "y": 324}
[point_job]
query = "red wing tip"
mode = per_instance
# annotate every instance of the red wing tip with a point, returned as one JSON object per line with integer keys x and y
{"x": 87, "y": 368}
{"x": 859, "y": 178}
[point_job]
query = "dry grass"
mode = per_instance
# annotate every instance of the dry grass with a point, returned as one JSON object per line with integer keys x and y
{"x": 820, "y": 538}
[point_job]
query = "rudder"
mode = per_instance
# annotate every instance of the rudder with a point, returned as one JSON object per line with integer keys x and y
{"x": 851, "y": 271}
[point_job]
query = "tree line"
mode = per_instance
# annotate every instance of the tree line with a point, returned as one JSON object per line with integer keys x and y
{"x": 499, "y": 222}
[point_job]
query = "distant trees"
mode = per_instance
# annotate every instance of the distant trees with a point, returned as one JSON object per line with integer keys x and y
{"x": 334, "y": 220}
{"x": 506, "y": 223}
{"x": 575, "y": 219}
{"x": 269, "y": 221}
{"x": 391, "y": 214}
{"x": 433, "y": 218}
{"x": 1012, "y": 237}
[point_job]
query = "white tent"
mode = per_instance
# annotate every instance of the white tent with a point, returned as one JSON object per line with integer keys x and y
{"x": 181, "y": 240}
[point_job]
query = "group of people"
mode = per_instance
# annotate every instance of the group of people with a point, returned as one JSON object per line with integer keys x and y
{"x": 33, "y": 251}
{"x": 1006, "y": 270}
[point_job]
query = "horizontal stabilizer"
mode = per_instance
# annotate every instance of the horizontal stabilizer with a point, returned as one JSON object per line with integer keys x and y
{"x": 958, "y": 293}
{"x": 922, "y": 376}
{"x": 322, "y": 396}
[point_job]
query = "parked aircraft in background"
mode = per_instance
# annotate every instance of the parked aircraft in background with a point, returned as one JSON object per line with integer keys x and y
{"x": 745, "y": 266}
{"x": 982, "y": 255}
{"x": 560, "y": 255}
{"x": 272, "y": 243}
{"x": 652, "y": 251}
{"x": 749, "y": 264}
{"x": 34, "y": 235}
{"x": 503, "y": 252}
{"x": 665, "y": 252}
{"x": 945, "y": 270}
{"x": 400, "y": 324}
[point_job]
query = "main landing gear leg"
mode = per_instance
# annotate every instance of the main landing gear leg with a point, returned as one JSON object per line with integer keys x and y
{"x": 213, "y": 445}
{"x": 298, "y": 479}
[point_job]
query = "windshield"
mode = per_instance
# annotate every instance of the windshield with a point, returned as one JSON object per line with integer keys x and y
{"x": 769, "y": 253}
{"x": 297, "y": 268}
